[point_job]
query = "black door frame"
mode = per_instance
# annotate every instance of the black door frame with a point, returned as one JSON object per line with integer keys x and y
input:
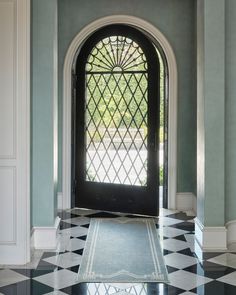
{"x": 85, "y": 51}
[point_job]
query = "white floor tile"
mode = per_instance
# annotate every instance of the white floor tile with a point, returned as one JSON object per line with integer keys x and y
{"x": 75, "y": 244}
{"x": 75, "y": 232}
{"x": 34, "y": 261}
{"x": 8, "y": 277}
{"x": 63, "y": 241}
{"x": 58, "y": 279}
{"x": 229, "y": 279}
{"x": 174, "y": 245}
{"x": 171, "y": 232}
{"x": 179, "y": 261}
{"x": 190, "y": 238}
{"x": 227, "y": 259}
{"x": 65, "y": 260}
{"x": 164, "y": 212}
{"x": 186, "y": 280}
{"x": 167, "y": 221}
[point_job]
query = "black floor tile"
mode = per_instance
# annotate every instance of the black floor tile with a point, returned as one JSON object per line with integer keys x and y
{"x": 210, "y": 270}
{"x": 209, "y": 255}
{"x": 82, "y": 238}
{"x": 65, "y": 225}
{"x": 188, "y": 226}
{"x": 103, "y": 215}
{"x": 180, "y": 215}
{"x": 44, "y": 265}
{"x": 180, "y": 238}
{"x": 80, "y": 251}
{"x": 166, "y": 252}
{"x": 187, "y": 252}
{"x": 32, "y": 273}
{"x": 28, "y": 287}
{"x": 74, "y": 268}
{"x": 215, "y": 288}
{"x": 171, "y": 269}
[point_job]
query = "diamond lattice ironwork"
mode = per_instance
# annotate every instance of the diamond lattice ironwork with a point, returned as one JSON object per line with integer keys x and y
{"x": 116, "y": 113}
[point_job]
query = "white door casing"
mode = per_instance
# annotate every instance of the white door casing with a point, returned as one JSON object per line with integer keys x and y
{"x": 14, "y": 131}
{"x": 173, "y": 82}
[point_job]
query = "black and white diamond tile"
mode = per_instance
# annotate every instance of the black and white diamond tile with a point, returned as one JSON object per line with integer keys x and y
{"x": 186, "y": 280}
{"x": 56, "y": 271}
{"x": 58, "y": 279}
{"x": 8, "y": 277}
{"x": 65, "y": 260}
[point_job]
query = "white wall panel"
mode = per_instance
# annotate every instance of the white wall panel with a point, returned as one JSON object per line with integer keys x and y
{"x": 14, "y": 131}
{"x": 7, "y": 79}
{"x": 8, "y": 205}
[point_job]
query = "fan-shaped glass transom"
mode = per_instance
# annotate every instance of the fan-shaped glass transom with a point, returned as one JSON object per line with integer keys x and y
{"x": 115, "y": 54}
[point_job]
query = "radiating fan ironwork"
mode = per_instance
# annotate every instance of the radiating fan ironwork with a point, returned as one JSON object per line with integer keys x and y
{"x": 116, "y": 53}
{"x": 116, "y": 113}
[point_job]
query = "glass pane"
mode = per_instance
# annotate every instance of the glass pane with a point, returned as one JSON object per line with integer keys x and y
{"x": 116, "y": 124}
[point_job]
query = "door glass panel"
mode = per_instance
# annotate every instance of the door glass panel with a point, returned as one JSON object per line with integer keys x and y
{"x": 116, "y": 108}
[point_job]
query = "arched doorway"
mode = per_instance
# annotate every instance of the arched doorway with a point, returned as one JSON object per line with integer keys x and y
{"x": 115, "y": 147}
{"x": 158, "y": 39}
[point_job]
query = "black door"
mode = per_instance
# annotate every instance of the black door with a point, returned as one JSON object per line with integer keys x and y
{"x": 117, "y": 122}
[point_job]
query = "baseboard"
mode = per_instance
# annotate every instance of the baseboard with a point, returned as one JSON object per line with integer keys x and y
{"x": 210, "y": 238}
{"x": 45, "y": 237}
{"x": 186, "y": 201}
{"x": 59, "y": 201}
{"x": 231, "y": 232}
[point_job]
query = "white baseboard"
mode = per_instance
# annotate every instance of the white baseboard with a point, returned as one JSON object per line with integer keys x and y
{"x": 186, "y": 201}
{"x": 45, "y": 237}
{"x": 210, "y": 238}
{"x": 231, "y": 232}
{"x": 59, "y": 201}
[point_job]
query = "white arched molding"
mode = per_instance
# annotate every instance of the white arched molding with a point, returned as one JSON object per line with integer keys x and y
{"x": 172, "y": 128}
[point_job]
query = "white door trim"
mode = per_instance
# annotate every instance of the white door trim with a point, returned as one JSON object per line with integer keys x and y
{"x": 173, "y": 82}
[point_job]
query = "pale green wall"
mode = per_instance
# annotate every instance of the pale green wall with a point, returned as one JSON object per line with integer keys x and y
{"x": 211, "y": 112}
{"x": 230, "y": 110}
{"x": 200, "y": 112}
{"x": 175, "y": 19}
{"x": 216, "y": 112}
{"x": 44, "y": 112}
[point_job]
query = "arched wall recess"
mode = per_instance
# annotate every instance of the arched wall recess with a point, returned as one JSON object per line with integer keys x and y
{"x": 172, "y": 87}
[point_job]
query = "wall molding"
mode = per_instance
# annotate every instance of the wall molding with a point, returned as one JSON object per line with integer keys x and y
{"x": 59, "y": 201}
{"x": 45, "y": 237}
{"x": 173, "y": 82}
{"x": 210, "y": 238}
{"x": 186, "y": 201}
{"x": 231, "y": 233}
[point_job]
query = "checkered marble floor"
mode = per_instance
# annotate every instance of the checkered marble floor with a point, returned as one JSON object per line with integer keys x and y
{"x": 54, "y": 272}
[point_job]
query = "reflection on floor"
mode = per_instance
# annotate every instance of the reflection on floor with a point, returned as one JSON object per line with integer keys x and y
{"x": 55, "y": 272}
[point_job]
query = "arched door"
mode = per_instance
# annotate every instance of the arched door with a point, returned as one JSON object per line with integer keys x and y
{"x": 117, "y": 122}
